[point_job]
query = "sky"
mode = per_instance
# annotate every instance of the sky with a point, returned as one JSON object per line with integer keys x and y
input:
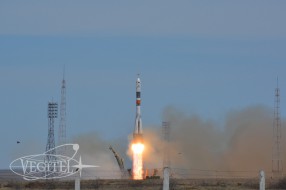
{"x": 201, "y": 57}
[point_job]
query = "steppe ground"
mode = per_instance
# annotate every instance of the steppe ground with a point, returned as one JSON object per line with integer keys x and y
{"x": 151, "y": 184}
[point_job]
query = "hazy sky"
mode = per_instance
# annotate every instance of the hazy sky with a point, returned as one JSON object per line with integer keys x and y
{"x": 202, "y": 57}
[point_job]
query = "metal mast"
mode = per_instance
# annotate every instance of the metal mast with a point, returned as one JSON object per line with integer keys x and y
{"x": 50, "y": 148}
{"x": 166, "y": 136}
{"x": 277, "y": 167}
{"x": 62, "y": 126}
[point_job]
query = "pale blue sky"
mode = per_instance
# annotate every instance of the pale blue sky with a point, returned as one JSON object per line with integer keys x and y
{"x": 202, "y": 57}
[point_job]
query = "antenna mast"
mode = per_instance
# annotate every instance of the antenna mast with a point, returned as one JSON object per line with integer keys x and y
{"x": 166, "y": 136}
{"x": 62, "y": 126}
{"x": 277, "y": 167}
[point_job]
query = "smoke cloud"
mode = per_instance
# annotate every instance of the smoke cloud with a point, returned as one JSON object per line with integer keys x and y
{"x": 95, "y": 151}
{"x": 241, "y": 143}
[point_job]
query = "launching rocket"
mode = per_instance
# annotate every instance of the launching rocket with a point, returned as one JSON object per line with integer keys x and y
{"x": 137, "y": 134}
{"x": 137, "y": 143}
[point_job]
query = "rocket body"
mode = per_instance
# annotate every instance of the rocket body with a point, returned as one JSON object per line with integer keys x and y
{"x": 137, "y": 134}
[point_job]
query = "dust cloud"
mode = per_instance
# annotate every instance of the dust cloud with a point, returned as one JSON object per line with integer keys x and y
{"x": 242, "y": 143}
{"x": 95, "y": 151}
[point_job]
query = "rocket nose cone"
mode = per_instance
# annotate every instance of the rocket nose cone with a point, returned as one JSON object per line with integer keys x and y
{"x": 138, "y": 80}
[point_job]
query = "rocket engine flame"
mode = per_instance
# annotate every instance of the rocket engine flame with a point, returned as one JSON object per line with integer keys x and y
{"x": 137, "y": 150}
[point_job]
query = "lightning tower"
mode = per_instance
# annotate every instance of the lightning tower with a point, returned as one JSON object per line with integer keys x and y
{"x": 277, "y": 167}
{"x": 50, "y": 148}
{"x": 62, "y": 125}
{"x": 166, "y": 136}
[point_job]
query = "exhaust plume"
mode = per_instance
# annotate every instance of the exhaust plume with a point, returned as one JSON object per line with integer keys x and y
{"x": 240, "y": 146}
{"x": 243, "y": 143}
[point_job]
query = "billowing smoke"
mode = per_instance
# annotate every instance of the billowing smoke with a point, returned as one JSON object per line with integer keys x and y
{"x": 95, "y": 151}
{"x": 248, "y": 139}
{"x": 240, "y": 143}
{"x": 243, "y": 142}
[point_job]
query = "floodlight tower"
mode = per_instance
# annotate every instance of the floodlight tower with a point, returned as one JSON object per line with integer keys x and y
{"x": 62, "y": 126}
{"x": 277, "y": 165}
{"x": 52, "y": 114}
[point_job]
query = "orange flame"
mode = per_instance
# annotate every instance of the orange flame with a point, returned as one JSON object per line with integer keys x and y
{"x": 137, "y": 169}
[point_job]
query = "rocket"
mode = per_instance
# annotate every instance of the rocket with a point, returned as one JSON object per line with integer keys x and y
{"x": 137, "y": 134}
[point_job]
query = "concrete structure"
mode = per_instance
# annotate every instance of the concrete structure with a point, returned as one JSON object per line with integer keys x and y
{"x": 262, "y": 181}
{"x": 166, "y": 178}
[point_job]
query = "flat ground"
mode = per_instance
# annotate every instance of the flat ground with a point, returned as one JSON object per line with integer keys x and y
{"x": 151, "y": 184}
